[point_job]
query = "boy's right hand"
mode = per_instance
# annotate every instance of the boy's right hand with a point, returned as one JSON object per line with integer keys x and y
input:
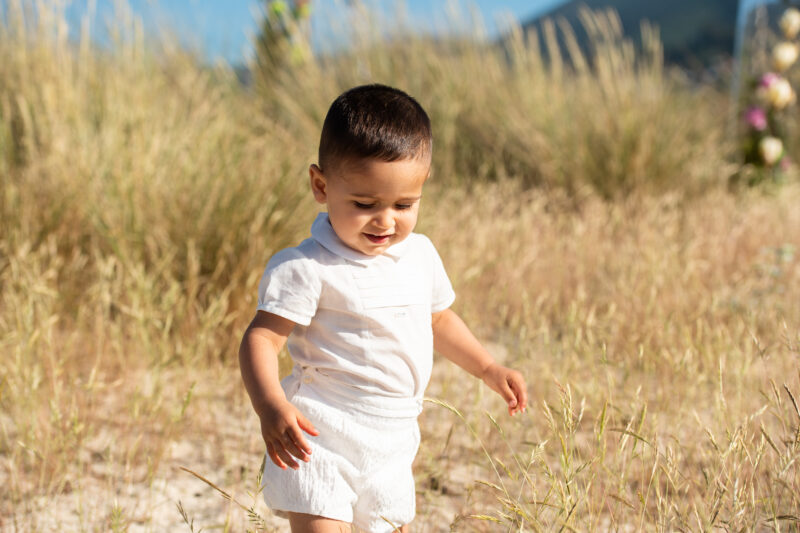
{"x": 281, "y": 428}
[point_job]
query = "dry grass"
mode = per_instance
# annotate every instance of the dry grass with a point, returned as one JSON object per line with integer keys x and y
{"x": 663, "y": 341}
{"x": 654, "y": 313}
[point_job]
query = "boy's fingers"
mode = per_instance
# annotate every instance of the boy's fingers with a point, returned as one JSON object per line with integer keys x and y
{"x": 508, "y": 393}
{"x": 286, "y": 456}
{"x": 291, "y": 445}
{"x": 306, "y": 425}
{"x": 521, "y": 392}
{"x": 300, "y": 442}
{"x": 274, "y": 456}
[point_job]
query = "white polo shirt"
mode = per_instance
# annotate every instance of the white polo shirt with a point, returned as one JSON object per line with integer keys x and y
{"x": 363, "y": 322}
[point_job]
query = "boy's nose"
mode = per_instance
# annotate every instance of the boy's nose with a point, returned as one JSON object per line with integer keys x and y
{"x": 383, "y": 219}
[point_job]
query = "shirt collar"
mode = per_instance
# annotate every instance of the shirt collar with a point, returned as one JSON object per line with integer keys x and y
{"x": 322, "y": 232}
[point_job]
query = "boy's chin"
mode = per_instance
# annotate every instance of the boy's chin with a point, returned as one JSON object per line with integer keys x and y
{"x": 373, "y": 251}
{"x": 370, "y": 248}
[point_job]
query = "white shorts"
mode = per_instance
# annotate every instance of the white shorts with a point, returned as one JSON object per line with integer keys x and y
{"x": 360, "y": 466}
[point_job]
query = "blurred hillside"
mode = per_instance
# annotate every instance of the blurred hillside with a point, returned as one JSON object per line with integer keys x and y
{"x": 696, "y": 35}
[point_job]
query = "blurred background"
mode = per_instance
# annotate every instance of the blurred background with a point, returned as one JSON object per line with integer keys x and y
{"x": 225, "y": 30}
{"x": 693, "y": 34}
{"x": 614, "y": 194}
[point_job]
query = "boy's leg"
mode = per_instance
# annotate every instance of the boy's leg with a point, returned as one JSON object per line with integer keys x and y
{"x": 309, "y": 523}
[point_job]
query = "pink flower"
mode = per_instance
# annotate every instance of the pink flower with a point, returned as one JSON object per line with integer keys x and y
{"x": 756, "y": 118}
{"x": 768, "y": 79}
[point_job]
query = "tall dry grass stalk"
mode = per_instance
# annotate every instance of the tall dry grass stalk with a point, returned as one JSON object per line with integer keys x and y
{"x": 576, "y": 203}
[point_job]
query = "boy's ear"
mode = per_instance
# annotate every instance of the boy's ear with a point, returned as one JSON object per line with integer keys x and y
{"x": 319, "y": 185}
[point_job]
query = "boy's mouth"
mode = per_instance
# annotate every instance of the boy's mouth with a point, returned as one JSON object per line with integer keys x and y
{"x": 378, "y": 239}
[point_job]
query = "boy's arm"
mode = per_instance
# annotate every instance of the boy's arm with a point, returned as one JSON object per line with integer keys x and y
{"x": 453, "y": 339}
{"x": 281, "y": 422}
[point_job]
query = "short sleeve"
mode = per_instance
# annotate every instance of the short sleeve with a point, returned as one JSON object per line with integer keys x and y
{"x": 290, "y": 287}
{"x": 442, "y": 295}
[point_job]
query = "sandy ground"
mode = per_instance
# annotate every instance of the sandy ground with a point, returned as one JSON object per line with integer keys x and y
{"x": 104, "y": 498}
{"x": 154, "y": 508}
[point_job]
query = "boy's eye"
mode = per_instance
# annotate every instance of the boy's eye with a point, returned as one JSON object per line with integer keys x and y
{"x": 403, "y": 206}
{"x": 361, "y": 205}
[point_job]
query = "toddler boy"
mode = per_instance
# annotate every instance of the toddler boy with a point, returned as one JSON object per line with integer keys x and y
{"x": 362, "y": 302}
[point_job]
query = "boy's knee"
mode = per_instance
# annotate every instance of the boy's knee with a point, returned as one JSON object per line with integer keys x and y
{"x": 307, "y": 523}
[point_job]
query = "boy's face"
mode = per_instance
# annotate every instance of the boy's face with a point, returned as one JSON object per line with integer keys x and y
{"x": 372, "y": 204}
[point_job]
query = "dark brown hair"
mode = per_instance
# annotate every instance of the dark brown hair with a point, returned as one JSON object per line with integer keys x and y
{"x": 374, "y": 121}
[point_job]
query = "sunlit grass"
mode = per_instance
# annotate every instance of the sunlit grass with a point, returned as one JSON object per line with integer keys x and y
{"x": 579, "y": 205}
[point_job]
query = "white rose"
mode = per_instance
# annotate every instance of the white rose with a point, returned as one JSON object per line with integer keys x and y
{"x": 770, "y": 149}
{"x": 780, "y": 93}
{"x": 790, "y": 23}
{"x": 784, "y": 55}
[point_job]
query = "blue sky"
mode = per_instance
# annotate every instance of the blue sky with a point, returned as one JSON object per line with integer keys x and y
{"x": 224, "y": 28}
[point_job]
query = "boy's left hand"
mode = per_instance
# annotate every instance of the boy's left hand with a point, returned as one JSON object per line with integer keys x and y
{"x": 509, "y": 384}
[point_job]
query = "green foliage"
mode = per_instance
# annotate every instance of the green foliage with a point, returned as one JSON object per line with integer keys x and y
{"x": 282, "y": 41}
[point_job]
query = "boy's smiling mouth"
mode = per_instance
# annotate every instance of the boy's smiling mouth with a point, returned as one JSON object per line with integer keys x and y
{"x": 378, "y": 239}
